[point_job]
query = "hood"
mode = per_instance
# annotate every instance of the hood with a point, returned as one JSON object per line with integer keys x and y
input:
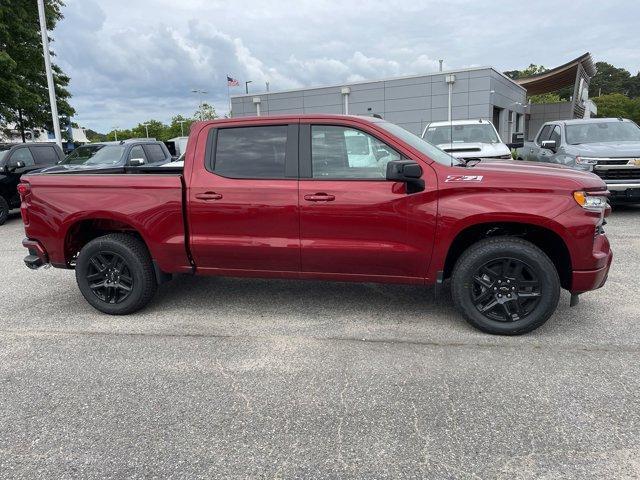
{"x": 607, "y": 149}
{"x": 475, "y": 150}
{"x": 522, "y": 174}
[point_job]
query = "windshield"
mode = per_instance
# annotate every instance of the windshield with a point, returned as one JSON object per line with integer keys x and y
{"x": 472, "y": 133}
{"x": 434, "y": 153}
{"x": 594, "y": 132}
{"x": 95, "y": 155}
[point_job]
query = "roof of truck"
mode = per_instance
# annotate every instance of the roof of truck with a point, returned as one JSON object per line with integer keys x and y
{"x": 307, "y": 116}
{"x": 459, "y": 122}
{"x": 576, "y": 121}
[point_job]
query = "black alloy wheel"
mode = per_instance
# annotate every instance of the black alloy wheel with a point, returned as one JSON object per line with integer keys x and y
{"x": 505, "y": 286}
{"x": 109, "y": 277}
{"x": 506, "y": 289}
{"x": 115, "y": 273}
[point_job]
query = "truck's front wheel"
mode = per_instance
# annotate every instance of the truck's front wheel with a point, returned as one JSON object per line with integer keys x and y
{"x": 505, "y": 286}
{"x": 115, "y": 274}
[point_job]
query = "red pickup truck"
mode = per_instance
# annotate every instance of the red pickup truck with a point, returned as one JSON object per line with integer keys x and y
{"x": 326, "y": 197}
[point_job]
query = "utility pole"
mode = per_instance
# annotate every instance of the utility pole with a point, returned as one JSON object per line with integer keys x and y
{"x": 47, "y": 66}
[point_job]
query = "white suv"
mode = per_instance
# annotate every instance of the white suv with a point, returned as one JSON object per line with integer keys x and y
{"x": 467, "y": 139}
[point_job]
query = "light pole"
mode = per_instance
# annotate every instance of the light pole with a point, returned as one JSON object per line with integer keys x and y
{"x": 246, "y": 86}
{"x": 181, "y": 128}
{"x": 115, "y": 132}
{"x": 47, "y": 66}
{"x": 202, "y": 93}
{"x": 146, "y": 128}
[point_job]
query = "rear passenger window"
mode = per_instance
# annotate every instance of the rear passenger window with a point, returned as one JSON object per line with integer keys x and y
{"x": 154, "y": 153}
{"x": 251, "y": 152}
{"x": 44, "y": 155}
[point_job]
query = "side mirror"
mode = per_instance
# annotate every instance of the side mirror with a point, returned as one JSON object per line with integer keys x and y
{"x": 406, "y": 171}
{"x": 12, "y": 166}
{"x": 550, "y": 145}
{"x": 136, "y": 162}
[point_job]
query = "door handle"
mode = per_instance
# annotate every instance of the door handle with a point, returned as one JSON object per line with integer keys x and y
{"x": 208, "y": 196}
{"x": 320, "y": 197}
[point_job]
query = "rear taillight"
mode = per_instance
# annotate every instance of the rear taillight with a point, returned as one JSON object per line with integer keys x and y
{"x": 24, "y": 189}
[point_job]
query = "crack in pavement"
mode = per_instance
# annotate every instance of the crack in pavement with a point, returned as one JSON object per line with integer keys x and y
{"x": 610, "y": 348}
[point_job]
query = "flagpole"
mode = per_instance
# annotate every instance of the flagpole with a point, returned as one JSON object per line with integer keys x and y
{"x": 228, "y": 95}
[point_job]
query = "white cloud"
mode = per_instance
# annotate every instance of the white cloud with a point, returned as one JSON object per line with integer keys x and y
{"x": 130, "y": 61}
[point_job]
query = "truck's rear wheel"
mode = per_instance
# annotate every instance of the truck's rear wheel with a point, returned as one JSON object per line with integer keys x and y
{"x": 505, "y": 286}
{"x": 115, "y": 274}
{"x": 4, "y": 211}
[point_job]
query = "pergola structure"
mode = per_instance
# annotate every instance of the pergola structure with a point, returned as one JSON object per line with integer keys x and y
{"x": 578, "y": 72}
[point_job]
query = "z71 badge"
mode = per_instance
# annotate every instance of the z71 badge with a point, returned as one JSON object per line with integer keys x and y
{"x": 463, "y": 178}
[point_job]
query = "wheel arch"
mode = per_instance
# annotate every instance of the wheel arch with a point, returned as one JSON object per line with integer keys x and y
{"x": 82, "y": 231}
{"x": 549, "y": 241}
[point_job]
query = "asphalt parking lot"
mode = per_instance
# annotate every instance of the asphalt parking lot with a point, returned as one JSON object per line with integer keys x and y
{"x": 229, "y": 378}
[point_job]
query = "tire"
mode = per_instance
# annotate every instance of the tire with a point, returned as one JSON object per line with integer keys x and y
{"x": 513, "y": 273}
{"x": 115, "y": 274}
{"x": 4, "y": 211}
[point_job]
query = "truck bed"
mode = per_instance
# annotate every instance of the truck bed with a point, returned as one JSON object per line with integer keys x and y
{"x": 61, "y": 204}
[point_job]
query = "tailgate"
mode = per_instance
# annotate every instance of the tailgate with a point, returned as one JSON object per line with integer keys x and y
{"x": 58, "y": 205}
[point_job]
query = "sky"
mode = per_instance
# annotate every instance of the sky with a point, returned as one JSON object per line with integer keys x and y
{"x": 132, "y": 60}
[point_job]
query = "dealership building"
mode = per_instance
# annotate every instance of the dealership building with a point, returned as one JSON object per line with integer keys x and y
{"x": 414, "y": 101}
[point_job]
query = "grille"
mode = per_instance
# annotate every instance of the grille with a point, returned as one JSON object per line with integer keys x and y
{"x": 619, "y": 173}
{"x": 470, "y": 149}
{"x": 623, "y": 161}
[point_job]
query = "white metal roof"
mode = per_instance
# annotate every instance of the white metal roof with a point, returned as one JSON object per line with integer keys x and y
{"x": 375, "y": 80}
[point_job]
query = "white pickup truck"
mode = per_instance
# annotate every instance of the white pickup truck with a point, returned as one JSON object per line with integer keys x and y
{"x": 467, "y": 139}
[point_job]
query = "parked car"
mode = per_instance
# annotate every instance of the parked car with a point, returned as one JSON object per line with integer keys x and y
{"x": 280, "y": 197}
{"x": 467, "y": 139}
{"x": 608, "y": 147}
{"x": 17, "y": 159}
{"x": 132, "y": 152}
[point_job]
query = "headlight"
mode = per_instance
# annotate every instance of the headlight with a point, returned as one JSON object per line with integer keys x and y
{"x": 590, "y": 202}
{"x": 586, "y": 161}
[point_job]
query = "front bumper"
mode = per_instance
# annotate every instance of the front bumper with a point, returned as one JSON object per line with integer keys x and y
{"x": 37, "y": 257}
{"x": 586, "y": 280}
{"x": 624, "y": 191}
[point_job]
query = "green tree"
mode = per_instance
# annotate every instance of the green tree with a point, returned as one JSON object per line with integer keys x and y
{"x": 23, "y": 83}
{"x": 176, "y": 130}
{"x": 205, "y": 112}
{"x": 609, "y": 79}
{"x": 618, "y": 105}
{"x": 531, "y": 70}
{"x": 545, "y": 98}
{"x": 156, "y": 128}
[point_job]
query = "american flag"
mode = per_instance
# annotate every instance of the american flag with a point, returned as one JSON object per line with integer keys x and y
{"x": 232, "y": 82}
